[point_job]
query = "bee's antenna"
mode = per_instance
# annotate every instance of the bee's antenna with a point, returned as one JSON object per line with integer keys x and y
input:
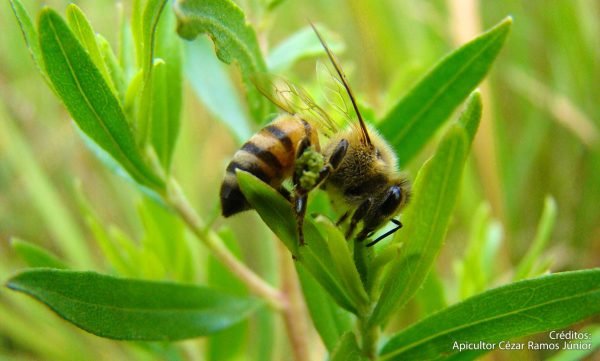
{"x": 342, "y": 76}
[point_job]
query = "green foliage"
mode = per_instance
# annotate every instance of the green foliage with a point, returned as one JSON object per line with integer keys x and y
{"x": 416, "y": 117}
{"x": 427, "y": 219}
{"x": 235, "y": 41}
{"x": 127, "y": 309}
{"x": 127, "y": 104}
{"x": 518, "y": 309}
{"x": 88, "y": 97}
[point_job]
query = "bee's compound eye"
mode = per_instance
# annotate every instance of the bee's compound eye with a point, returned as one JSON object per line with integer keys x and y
{"x": 392, "y": 200}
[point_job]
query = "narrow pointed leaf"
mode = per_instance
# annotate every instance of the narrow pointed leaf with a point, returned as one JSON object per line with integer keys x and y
{"x": 129, "y": 309}
{"x": 31, "y": 37}
{"x": 235, "y": 41}
{"x": 544, "y": 229}
{"x": 412, "y": 122}
{"x": 88, "y": 98}
{"x": 167, "y": 90}
{"x": 82, "y": 29}
{"x": 515, "y": 310}
{"x": 36, "y": 256}
{"x": 426, "y": 221}
{"x": 277, "y": 213}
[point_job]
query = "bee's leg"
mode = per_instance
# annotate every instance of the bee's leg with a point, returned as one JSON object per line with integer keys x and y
{"x": 359, "y": 214}
{"x": 390, "y": 232}
{"x": 300, "y": 195}
{"x": 286, "y": 193}
{"x": 342, "y": 218}
{"x": 300, "y": 201}
{"x": 334, "y": 160}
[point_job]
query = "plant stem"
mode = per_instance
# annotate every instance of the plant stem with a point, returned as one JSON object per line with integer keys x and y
{"x": 369, "y": 337}
{"x": 295, "y": 315}
{"x": 177, "y": 200}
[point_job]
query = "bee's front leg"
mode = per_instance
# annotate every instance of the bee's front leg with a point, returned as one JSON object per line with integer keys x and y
{"x": 360, "y": 213}
{"x": 334, "y": 160}
{"x": 300, "y": 194}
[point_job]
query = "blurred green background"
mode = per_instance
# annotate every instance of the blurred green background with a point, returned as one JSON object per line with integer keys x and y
{"x": 540, "y": 135}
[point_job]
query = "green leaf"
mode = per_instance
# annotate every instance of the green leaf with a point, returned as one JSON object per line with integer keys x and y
{"x": 128, "y": 309}
{"x": 82, "y": 29}
{"x": 167, "y": 91}
{"x": 277, "y": 213}
{"x": 330, "y": 320}
{"x": 301, "y": 45}
{"x": 518, "y": 309}
{"x": 36, "y": 256}
{"x": 215, "y": 88}
{"x": 234, "y": 39}
{"x": 471, "y": 116}
{"x": 542, "y": 236}
{"x": 341, "y": 257}
{"x": 88, "y": 98}
{"x": 426, "y": 221}
{"x": 475, "y": 271}
{"x": 347, "y": 349}
{"x": 412, "y": 122}
{"x": 273, "y": 208}
{"x": 31, "y": 37}
{"x": 147, "y": 36}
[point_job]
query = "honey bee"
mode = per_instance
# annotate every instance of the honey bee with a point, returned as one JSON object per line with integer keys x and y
{"x": 360, "y": 170}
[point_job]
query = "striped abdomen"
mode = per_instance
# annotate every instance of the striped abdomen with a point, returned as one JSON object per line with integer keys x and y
{"x": 269, "y": 155}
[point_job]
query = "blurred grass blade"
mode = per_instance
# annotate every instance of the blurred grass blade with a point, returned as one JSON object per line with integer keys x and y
{"x": 213, "y": 85}
{"x": 301, "y": 45}
{"x": 536, "y": 305}
{"x": 412, "y": 122}
{"x": 58, "y": 220}
{"x": 82, "y": 29}
{"x": 36, "y": 256}
{"x": 31, "y": 37}
{"x": 426, "y": 221}
{"x": 226, "y": 345}
{"x": 129, "y": 309}
{"x": 234, "y": 39}
{"x": 542, "y": 236}
{"x": 88, "y": 98}
{"x": 347, "y": 349}
{"x": 277, "y": 213}
{"x": 330, "y": 321}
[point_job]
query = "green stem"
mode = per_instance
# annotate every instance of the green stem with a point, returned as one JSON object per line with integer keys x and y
{"x": 258, "y": 286}
{"x": 369, "y": 337}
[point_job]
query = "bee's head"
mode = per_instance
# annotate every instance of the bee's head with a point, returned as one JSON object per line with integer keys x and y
{"x": 386, "y": 205}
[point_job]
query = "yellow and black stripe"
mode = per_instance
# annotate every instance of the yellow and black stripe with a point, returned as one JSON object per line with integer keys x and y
{"x": 269, "y": 155}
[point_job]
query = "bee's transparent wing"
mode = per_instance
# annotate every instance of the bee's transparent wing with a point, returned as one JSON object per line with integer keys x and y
{"x": 293, "y": 99}
{"x": 335, "y": 94}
